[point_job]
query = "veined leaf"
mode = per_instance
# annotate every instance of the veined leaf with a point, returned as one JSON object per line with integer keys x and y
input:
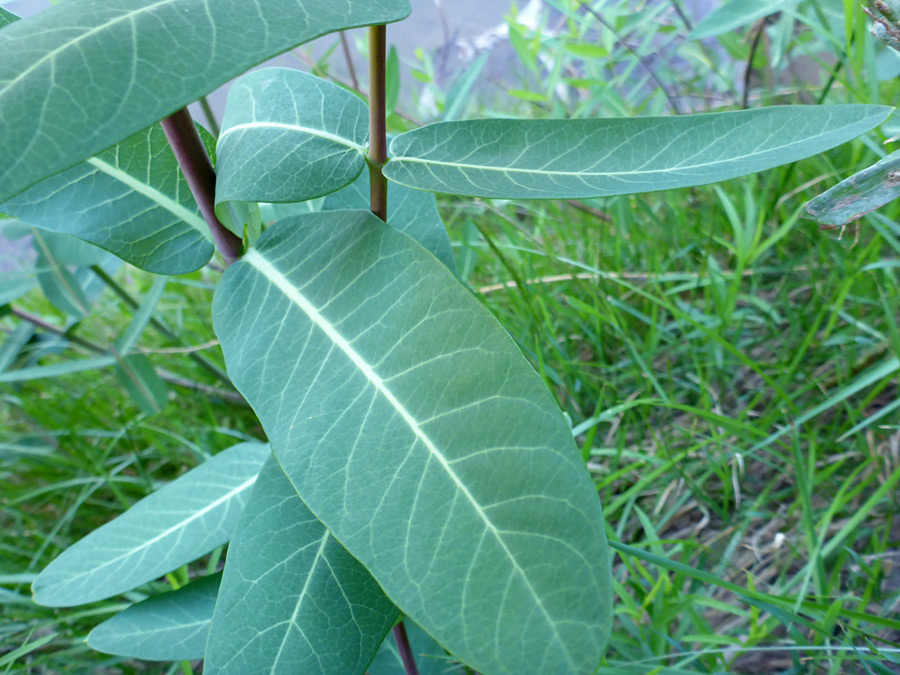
{"x": 140, "y": 380}
{"x": 737, "y": 14}
{"x": 287, "y": 137}
{"x": 292, "y": 599}
{"x": 411, "y": 425}
{"x": 429, "y": 655}
{"x": 131, "y": 200}
{"x": 555, "y": 159}
{"x": 6, "y": 17}
{"x": 81, "y": 76}
{"x": 411, "y": 211}
{"x": 187, "y": 518}
{"x": 858, "y": 195}
{"x": 168, "y": 627}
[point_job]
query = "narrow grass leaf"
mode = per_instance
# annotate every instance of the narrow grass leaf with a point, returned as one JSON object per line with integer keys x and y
{"x": 142, "y": 317}
{"x": 57, "y": 369}
{"x": 131, "y": 200}
{"x": 858, "y": 195}
{"x": 287, "y": 137}
{"x": 489, "y": 535}
{"x": 411, "y": 211}
{"x": 557, "y": 159}
{"x": 737, "y": 14}
{"x": 182, "y": 521}
{"x": 64, "y": 99}
{"x": 167, "y": 627}
{"x": 140, "y": 380}
{"x": 292, "y": 599}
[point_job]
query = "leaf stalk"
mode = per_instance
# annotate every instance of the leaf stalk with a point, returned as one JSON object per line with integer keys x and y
{"x": 377, "y": 120}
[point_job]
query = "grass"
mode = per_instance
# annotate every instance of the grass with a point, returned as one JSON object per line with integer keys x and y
{"x": 730, "y": 371}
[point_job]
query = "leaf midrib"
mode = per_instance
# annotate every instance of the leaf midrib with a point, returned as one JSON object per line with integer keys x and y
{"x": 273, "y": 275}
{"x": 334, "y": 138}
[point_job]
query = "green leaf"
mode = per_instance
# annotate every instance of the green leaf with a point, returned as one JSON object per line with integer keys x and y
{"x": 56, "y": 281}
{"x": 411, "y": 211}
{"x": 287, "y": 137}
{"x": 57, "y": 369}
{"x": 737, "y": 14}
{"x": 140, "y": 380}
{"x": 131, "y": 200}
{"x": 178, "y": 523}
{"x": 858, "y": 195}
{"x": 412, "y": 426}
{"x": 429, "y": 655}
{"x": 392, "y": 80}
{"x": 80, "y": 77}
{"x": 292, "y": 599}
{"x": 7, "y": 17}
{"x": 555, "y": 159}
{"x": 167, "y": 627}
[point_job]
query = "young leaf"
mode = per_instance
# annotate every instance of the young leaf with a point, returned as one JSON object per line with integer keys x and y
{"x": 411, "y": 425}
{"x": 429, "y": 655}
{"x": 411, "y": 211}
{"x": 131, "y": 200}
{"x": 858, "y": 195}
{"x": 292, "y": 599}
{"x": 287, "y": 137}
{"x": 187, "y": 518}
{"x": 64, "y": 97}
{"x": 140, "y": 380}
{"x": 737, "y": 14}
{"x": 556, "y": 159}
{"x": 168, "y": 627}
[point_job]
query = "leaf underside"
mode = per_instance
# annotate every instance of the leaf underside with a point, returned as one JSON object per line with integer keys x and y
{"x": 292, "y": 599}
{"x": 411, "y": 425}
{"x": 571, "y": 159}
{"x": 81, "y": 76}
{"x": 180, "y": 522}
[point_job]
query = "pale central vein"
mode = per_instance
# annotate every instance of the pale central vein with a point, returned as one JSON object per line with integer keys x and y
{"x": 320, "y": 133}
{"x": 178, "y": 210}
{"x": 270, "y": 272}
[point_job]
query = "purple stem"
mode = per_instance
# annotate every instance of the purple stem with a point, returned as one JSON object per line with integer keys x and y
{"x": 201, "y": 178}
{"x": 406, "y": 654}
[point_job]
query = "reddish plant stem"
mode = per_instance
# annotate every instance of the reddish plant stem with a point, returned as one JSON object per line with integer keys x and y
{"x": 377, "y": 120}
{"x": 406, "y": 654}
{"x": 348, "y": 57}
{"x": 194, "y": 162}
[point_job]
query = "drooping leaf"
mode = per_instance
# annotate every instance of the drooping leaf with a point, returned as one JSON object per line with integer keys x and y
{"x": 858, "y": 195}
{"x": 81, "y": 76}
{"x": 56, "y": 281}
{"x": 411, "y": 211}
{"x": 131, "y": 200}
{"x": 292, "y": 599}
{"x": 178, "y": 523}
{"x": 411, "y": 425}
{"x": 430, "y": 656}
{"x": 140, "y": 380}
{"x": 554, "y": 159}
{"x": 168, "y": 627}
{"x": 14, "y": 343}
{"x": 737, "y": 14}
{"x": 287, "y": 137}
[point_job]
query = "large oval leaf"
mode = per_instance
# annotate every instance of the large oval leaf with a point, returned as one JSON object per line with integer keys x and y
{"x": 556, "y": 159}
{"x": 287, "y": 137}
{"x": 292, "y": 599}
{"x": 168, "y": 627}
{"x": 81, "y": 76}
{"x": 411, "y": 425}
{"x": 173, "y": 526}
{"x": 131, "y": 200}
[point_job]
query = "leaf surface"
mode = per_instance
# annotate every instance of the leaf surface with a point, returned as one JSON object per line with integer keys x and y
{"x": 178, "y": 523}
{"x": 140, "y": 380}
{"x": 411, "y": 211}
{"x": 131, "y": 200}
{"x": 287, "y": 137}
{"x": 411, "y": 425}
{"x": 292, "y": 599}
{"x": 57, "y": 282}
{"x": 572, "y": 159}
{"x": 81, "y": 76}
{"x": 737, "y": 14}
{"x": 167, "y": 627}
{"x": 858, "y": 195}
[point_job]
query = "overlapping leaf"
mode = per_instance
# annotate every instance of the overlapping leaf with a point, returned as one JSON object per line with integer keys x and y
{"x": 292, "y": 599}
{"x": 554, "y": 159}
{"x": 287, "y": 137}
{"x": 173, "y": 526}
{"x": 131, "y": 200}
{"x": 411, "y": 211}
{"x": 858, "y": 195}
{"x": 736, "y": 14}
{"x": 168, "y": 627}
{"x": 411, "y": 425}
{"x": 81, "y": 76}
